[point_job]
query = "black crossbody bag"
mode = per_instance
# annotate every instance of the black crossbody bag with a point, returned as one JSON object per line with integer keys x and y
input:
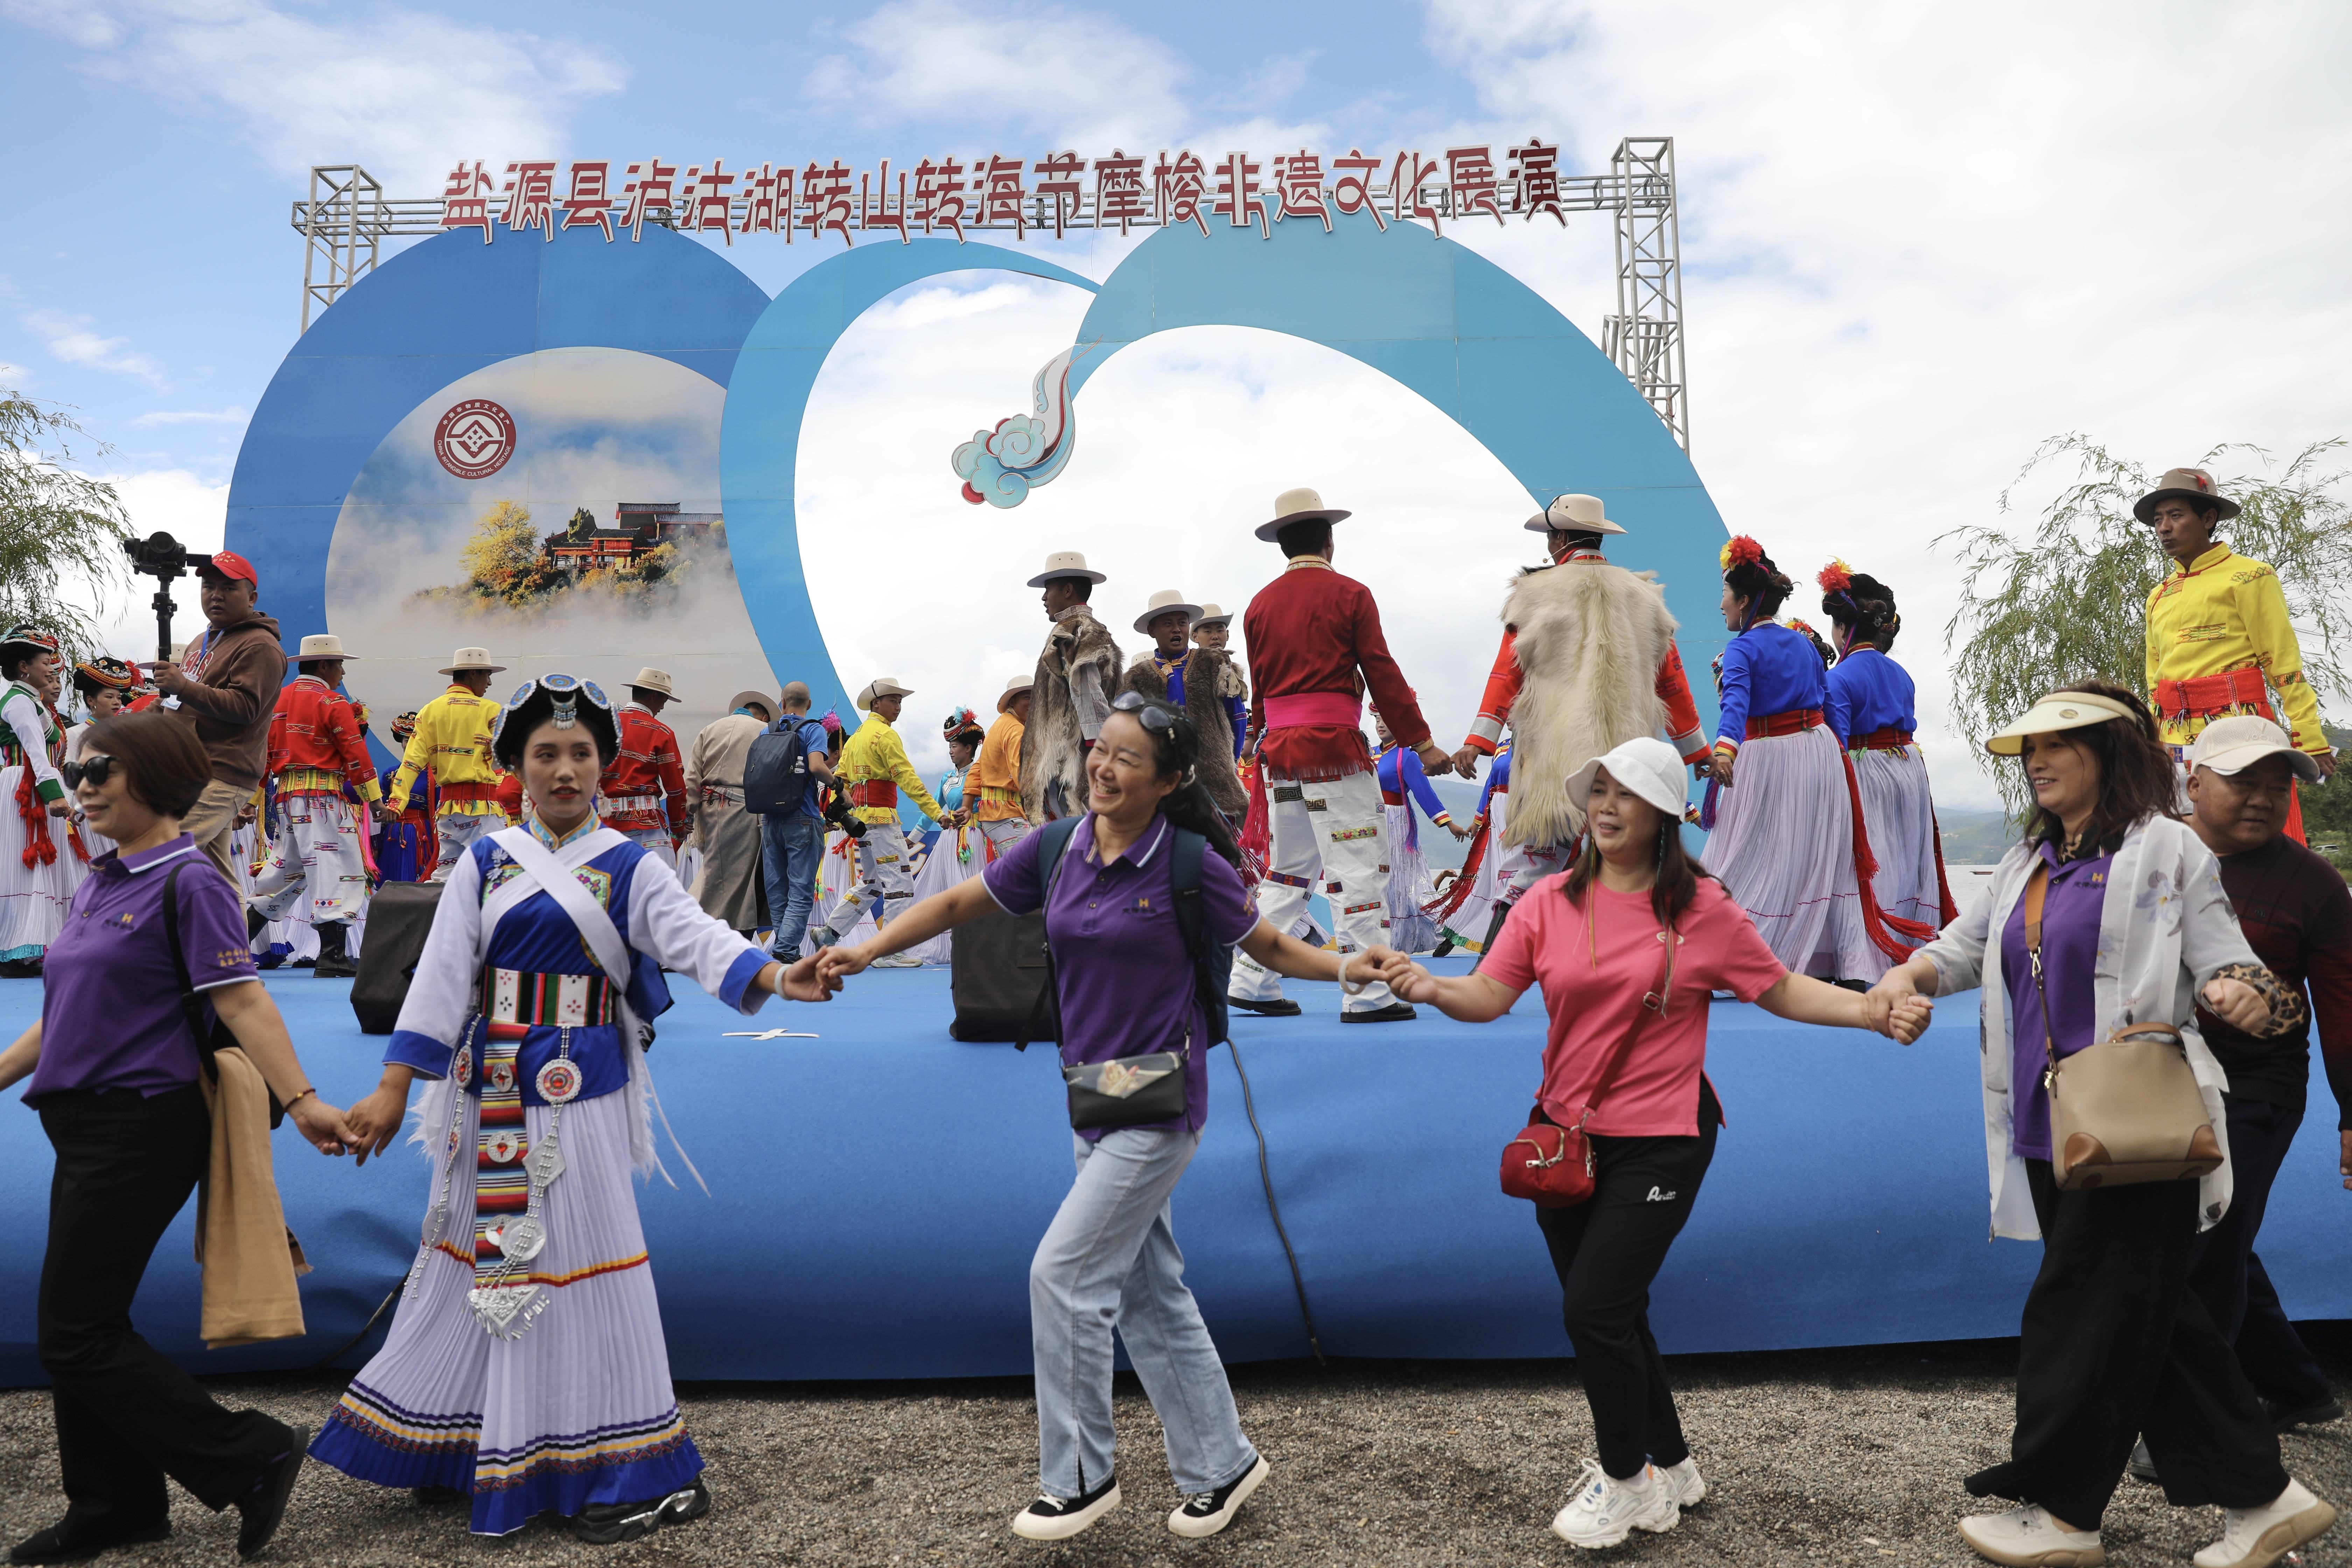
{"x": 1132, "y": 1091}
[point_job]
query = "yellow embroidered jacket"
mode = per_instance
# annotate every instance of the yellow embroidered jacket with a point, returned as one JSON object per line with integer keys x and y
{"x": 2224, "y": 613}
{"x": 453, "y": 743}
{"x": 874, "y": 766}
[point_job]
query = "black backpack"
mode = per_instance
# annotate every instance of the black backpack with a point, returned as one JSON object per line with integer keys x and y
{"x": 775, "y": 774}
{"x": 1212, "y": 962}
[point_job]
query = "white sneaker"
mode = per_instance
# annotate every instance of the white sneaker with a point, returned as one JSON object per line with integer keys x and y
{"x": 1682, "y": 1481}
{"x": 2029, "y": 1538}
{"x": 2258, "y": 1537}
{"x": 1606, "y": 1510}
{"x": 1210, "y": 1512}
{"x": 1051, "y": 1517}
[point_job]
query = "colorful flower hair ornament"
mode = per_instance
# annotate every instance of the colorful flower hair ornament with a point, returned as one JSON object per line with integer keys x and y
{"x": 1742, "y": 550}
{"x": 1835, "y": 578}
{"x": 958, "y": 722}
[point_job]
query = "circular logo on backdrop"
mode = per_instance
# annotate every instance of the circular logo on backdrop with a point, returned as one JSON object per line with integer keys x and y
{"x": 475, "y": 438}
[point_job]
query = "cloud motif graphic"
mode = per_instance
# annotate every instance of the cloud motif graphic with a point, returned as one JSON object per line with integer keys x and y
{"x": 1000, "y": 466}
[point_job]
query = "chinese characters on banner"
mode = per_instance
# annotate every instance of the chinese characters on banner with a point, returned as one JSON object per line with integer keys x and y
{"x": 1058, "y": 193}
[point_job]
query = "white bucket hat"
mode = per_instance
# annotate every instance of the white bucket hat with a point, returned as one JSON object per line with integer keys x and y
{"x": 1212, "y": 616}
{"x": 1573, "y": 515}
{"x": 653, "y": 680}
{"x": 1014, "y": 687}
{"x": 1647, "y": 766}
{"x": 760, "y": 699}
{"x": 2232, "y": 745}
{"x": 887, "y": 686}
{"x": 1298, "y": 506}
{"x": 1065, "y": 563}
{"x": 2058, "y": 710}
{"x": 1163, "y": 602}
{"x": 471, "y": 658}
{"x": 323, "y": 646}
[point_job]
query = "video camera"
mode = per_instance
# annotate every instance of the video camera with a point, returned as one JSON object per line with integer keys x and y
{"x": 160, "y": 556}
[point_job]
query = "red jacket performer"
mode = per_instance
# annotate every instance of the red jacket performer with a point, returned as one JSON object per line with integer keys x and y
{"x": 644, "y": 789}
{"x": 317, "y": 865}
{"x": 1315, "y": 647}
{"x": 1575, "y": 695}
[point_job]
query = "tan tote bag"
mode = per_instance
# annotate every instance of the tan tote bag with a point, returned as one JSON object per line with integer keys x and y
{"x": 2123, "y": 1111}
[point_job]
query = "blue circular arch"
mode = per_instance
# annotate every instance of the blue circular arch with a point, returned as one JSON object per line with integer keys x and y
{"x": 767, "y": 401}
{"x": 436, "y": 312}
{"x": 1478, "y": 344}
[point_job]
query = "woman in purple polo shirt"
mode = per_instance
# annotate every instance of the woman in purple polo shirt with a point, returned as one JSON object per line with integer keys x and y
{"x": 2135, "y": 927}
{"x": 1127, "y": 988}
{"x": 114, "y": 1067}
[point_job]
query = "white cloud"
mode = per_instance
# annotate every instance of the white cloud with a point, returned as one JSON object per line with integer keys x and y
{"x": 192, "y": 508}
{"x": 12, "y": 375}
{"x": 70, "y": 340}
{"x": 1085, "y": 81}
{"x": 403, "y": 93}
{"x": 194, "y": 417}
{"x": 1917, "y": 241}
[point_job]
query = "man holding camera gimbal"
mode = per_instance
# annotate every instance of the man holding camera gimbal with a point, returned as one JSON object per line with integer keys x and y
{"x": 227, "y": 686}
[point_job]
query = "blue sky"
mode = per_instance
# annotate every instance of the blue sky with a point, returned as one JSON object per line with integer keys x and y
{"x": 1918, "y": 239}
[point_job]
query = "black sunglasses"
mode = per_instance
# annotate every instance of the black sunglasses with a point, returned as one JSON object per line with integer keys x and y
{"x": 1149, "y": 715}
{"x": 94, "y": 770}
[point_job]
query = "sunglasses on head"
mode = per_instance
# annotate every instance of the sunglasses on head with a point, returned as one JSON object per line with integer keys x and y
{"x": 1149, "y": 716}
{"x": 94, "y": 770}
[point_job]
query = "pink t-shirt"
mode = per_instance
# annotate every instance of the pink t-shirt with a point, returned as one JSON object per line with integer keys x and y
{"x": 1593, "y": 980}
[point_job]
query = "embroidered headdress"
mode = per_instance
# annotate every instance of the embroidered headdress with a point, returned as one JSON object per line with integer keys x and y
{"x": 566, "y": 698}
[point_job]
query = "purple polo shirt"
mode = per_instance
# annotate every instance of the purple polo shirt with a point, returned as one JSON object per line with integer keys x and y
{"x": 2070, "y": 951}
{"x": 109, "y": 1001}
{"x": 1126, "y": 980}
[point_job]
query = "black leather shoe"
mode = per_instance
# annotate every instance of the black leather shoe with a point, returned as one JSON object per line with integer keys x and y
{"x": 1280, "y": 1007}
{"x": 66, "y": 1542}
{"x": 1394, "y": 1013}
{"x": 2287, "y": 1417}
{"x": 264, "y": 1507}
{"x": 610, "y": 1523}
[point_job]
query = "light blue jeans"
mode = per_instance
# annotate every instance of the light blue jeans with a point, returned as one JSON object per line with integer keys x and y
{"x": 791, "y": 845}
{"x": 1109, "y": 1262}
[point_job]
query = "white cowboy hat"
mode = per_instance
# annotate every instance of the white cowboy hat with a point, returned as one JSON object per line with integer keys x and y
{"x": 1163, "y": 602}
{"x": 326, "y": 644}
{"x": 1065, "y": 563}
{"x": 1647, "y": 766}
{"x": 2058, "y": 710}
{"x": 1573, "y": 515}
{"x": 1212, "y": 615}
{"x": 1298, "y": 506}
{"x": 653, "y": 680}
{"x": 471, "y": 659}
{"x": 1014, "y": 687}
{"x": 760, "y": 699}
{"x": 2192, "y": 484}
{"x": 2232, "y": 745}
{"x": 885, "y": 686}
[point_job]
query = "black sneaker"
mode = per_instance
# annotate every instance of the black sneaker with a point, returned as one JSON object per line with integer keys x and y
{"x": 2286, "y": 1417}
{"x": 1280, "y": 1007}
{"x": 264, "y": 1507}
{"x": 1058, "y": 1519}
{"x": 1211, "y": 1511}
{"x": 1394, "y": 1013}
{"x": 610, "y": 1523}
{"x": 67, "y": 1542}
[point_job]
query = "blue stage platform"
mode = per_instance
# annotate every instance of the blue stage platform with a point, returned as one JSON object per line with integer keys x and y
{"x": 875, "y": 1195}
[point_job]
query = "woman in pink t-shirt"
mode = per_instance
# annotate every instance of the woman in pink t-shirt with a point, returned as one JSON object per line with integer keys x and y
{"x": 1591, "y": 937}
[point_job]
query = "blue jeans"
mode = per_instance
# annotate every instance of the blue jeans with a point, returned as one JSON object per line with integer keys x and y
{"x": 1109, "y": 1261}
{"x": 791, "y": 848}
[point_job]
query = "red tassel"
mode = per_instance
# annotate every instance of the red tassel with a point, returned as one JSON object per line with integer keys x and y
{"x": 1442, "y": 906}
{"x": 1886, "y": 931}
{"x": 1257, "y": 828}
{"x": 39, "y": 848}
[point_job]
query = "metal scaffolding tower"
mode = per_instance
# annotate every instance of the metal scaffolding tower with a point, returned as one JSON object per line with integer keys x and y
{"x": 1644, "y": 338}
{"x": 342, "y": 225}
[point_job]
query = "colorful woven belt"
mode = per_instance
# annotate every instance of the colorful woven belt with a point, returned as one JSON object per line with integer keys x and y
{"x": 2209, "y": 694}
{"x": 1789, "y": 722}
{"x": 1884, "y": 740}
{"x": 873, "y": 792}
{"x": 517, "y": 997}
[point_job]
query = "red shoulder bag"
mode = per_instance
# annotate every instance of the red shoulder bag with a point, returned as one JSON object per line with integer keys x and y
{"x": 1552, "y": 1165}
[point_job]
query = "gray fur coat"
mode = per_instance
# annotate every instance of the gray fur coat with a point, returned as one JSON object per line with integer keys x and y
{"x": 1204, "y": 681}
{"x": 1052, "y": 747}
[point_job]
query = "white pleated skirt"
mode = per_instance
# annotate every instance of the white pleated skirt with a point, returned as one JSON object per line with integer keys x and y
{"x": 1900, "y": 813}
{"x": 579, "y": 1409}
{"x": 1412, "y": 929}
{"x": 955, "y": 856}
{"x": 1783, "y": 846}
{"x": 34, "y": 900}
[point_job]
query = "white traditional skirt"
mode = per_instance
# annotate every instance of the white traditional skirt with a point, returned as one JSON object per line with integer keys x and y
{"x": 36, "y": 898}
{"x": 578, "y": 1409}
{"x": 1901, "y": 815}
{"x": 1783, "y": 846}
{"x": 1412, "y": 929}
{"x": 1466, "y": 926}
{"x": 955, "y": 856}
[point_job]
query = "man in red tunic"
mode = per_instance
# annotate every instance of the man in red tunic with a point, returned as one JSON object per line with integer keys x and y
{"x": 1315, "y": 646}
{"x": 644, "y": 789}
{"x": 317, "y": 868}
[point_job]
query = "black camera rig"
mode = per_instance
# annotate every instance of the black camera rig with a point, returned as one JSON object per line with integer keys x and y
{"x": 160, "y": 556}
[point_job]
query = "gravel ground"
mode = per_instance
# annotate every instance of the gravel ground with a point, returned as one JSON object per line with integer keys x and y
{"x": 1817, "y": 1457}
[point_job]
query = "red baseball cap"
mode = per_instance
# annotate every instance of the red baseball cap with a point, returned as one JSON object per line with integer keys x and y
{"x": 229, "y": 564}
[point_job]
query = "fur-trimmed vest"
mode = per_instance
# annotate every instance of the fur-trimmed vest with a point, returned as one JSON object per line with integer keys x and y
{"x": 1206, "y": 677}
{"x": 1591, "y": 638}
{"x": 1052, "y": 747}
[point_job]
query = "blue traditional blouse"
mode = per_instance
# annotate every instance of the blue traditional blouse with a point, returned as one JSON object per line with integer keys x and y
{"x": 1768, "y": 669}
{"x": 1869, "y": 691}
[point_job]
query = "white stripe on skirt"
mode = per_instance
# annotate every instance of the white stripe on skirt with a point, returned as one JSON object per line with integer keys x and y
{"x": 1411, "y": 928}
{"x": 1783, "y": 846}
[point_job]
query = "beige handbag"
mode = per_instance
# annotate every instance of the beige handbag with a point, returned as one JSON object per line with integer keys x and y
{"x": 2125, "y": 1110}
